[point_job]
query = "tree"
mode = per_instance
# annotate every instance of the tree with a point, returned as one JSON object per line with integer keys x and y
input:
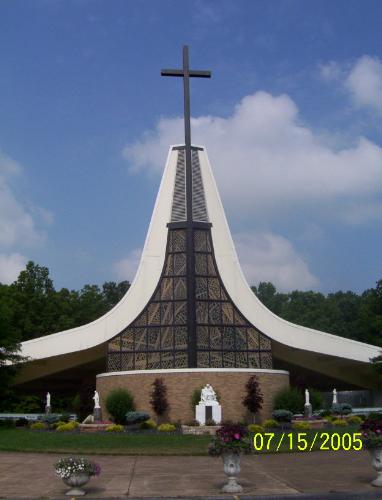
{"x": 253, "y": 399}
{"x": 158, "y": 400}
{"x": 9, "y": 349}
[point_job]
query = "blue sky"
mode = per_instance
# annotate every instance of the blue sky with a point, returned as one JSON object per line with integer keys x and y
{"x": 294, "y": 108}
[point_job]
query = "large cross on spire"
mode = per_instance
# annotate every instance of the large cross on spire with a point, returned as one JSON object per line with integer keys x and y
{"x": 186, "y": 73}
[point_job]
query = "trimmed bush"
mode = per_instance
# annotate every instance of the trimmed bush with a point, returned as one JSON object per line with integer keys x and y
{"x": 37, "y": 426}
{"x": 70, "y": 426}
{"x": 270, "y": 424}
{"x": 50, "y": 419}
{"x": 301, "y": 426}
{"x": 118, "y": 403}
{"x": 114, "y": 428}
{"x": 355, "y": 419}
{"x": 136, "y": 417}
{"x": 255, "y": 428}
{"x": 339, "y": 422}
{"x": 342, "y": 409}
{"x": 316, "y": 399}
{"x": 289, "y": 399}
{"x": 166, "y": 428}
{"x": 282, "y": 415}
{"x": 148, "y": 424}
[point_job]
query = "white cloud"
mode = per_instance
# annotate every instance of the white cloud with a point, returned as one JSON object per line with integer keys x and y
{"x": 270, "y": 257}
{"x": 10, "y": 267}
{"x": 126, "y": 268}
{"x": 17, "y": 225}
{"x": 364, "y": 82}
{"x": 278, "y": 161}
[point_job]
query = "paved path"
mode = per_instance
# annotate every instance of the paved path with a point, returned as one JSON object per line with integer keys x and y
{"x": 30, "y": 475}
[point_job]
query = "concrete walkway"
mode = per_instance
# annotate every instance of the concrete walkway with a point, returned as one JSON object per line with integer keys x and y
{"x": 31, "y": 475}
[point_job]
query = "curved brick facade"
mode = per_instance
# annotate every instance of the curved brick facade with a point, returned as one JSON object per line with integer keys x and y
{"x": 229, "y": 383}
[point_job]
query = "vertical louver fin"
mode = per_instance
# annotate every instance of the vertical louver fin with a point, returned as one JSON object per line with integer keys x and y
{"x": 199, "y": 207}
{"x": 178, "y": 212}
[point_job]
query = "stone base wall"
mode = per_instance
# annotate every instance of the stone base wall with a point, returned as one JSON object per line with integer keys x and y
{"x": 229, "y": 383}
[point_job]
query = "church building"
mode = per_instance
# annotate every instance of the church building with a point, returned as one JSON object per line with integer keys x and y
{"x": 189, "y": 317}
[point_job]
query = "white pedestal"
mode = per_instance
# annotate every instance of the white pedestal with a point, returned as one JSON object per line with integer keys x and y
{"x": 200, "y": 413}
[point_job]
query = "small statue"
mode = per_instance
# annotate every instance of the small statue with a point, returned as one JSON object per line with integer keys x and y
{"x": 335, "y": 396}
{"x": 208, "y": 394}
{"x": 96, "y": 400}
{"x": 307, "y": 402}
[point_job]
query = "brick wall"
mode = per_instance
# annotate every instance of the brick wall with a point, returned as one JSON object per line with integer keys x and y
{"x": 180, "y": 385}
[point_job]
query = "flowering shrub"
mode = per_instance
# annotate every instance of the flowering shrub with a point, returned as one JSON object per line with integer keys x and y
{"x": 67, "y": 467}
{"x": 372, "y": 433}
{"x": 230, "y": 438}
{"x": 167, "y": 428}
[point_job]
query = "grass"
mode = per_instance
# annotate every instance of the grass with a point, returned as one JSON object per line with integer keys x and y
{"x": 113, "y": 444}
{"x": 147, "y": 444}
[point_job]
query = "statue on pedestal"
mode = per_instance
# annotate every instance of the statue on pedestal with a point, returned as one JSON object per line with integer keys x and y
{"x": 335, "y": 396}
{"x": 47, "y": 404}
{"x": 308, "y": 411}
{"x": 208, "y": 395}
{"x": 97, "y": 412}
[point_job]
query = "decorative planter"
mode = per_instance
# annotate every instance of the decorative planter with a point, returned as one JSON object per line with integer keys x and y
{"x": 231, "y": 463}
{"x": 76, "y": 481}
{"x": 376, "y": 462}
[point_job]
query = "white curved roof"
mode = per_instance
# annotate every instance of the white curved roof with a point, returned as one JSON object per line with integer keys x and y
{"x": 148, "y": 274}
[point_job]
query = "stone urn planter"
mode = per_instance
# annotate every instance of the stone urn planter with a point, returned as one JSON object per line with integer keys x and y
{"x": 76, "y": 481}
{"x": 376, "y": 462}
{"x": 76, "y": 472}
{"x": 231, "y": 463}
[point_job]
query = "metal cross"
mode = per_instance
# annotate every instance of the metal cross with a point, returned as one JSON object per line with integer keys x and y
{"x": 186, "y": 73}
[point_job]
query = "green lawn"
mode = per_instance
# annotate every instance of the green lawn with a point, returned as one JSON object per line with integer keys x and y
{"x": 154, "y": 444}
{"x": 114, "y": 444}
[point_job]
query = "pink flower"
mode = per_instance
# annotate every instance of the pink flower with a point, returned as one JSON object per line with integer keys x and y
{"x": 236, "y": 436}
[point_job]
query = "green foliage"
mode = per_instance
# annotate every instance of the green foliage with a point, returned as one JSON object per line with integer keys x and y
{"x": 289, "y": 399}
{"x": 301, "y": 426}
{"x": 68, "y": 427}
{"x": 253, "y": 399}
{"x": 255, "y": 428}
{"x": 355, "y": 420}
{"x": 37, "y": 426}
{"x": 316, "y": 399}
{"x": 282, "y": 415}
{"x": 148, "y": 424}
{"x": 118, "y": 403}
{"x": 136, "y": 417}
{"x": 166, "y": 428}
{"x": 342, "y": 409}
{"x": 270, "y": 424}
{"x": 114, "y": 428}
{"x": 339, "y": 422}
{"x": 28, "y": 404}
